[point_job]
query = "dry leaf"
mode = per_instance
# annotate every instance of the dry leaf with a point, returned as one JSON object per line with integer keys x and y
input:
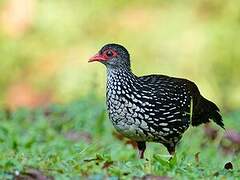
{"x": 32, "y": 174}
{"x": 228, "y": 166}
{"x": 107, "y": 164}
{"x": 152, "y": 177}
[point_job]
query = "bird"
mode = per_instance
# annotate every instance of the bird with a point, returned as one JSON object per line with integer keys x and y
{"x": 151, "y": 108}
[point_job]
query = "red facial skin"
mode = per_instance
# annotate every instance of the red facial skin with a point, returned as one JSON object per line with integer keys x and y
{"x": 103, "y": 56}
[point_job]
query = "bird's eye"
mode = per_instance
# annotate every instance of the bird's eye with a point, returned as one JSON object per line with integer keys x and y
{"x": 109, "y": 53}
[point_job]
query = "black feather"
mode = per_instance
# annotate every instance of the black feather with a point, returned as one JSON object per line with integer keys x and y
{"x": 205, "y": 110}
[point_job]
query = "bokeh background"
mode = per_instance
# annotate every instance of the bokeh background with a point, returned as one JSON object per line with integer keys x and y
{"x": 64, "y": 131}
{"x": 45, "y": 45}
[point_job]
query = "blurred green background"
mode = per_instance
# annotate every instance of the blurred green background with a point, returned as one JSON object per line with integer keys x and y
{"x": 44, "y": 49}
{"x": 45, "y": 45}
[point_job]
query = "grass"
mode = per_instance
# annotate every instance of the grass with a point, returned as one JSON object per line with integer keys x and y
{"x": 76, "y": 141}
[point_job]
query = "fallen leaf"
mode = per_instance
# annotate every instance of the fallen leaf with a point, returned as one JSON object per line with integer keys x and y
{"x": 107, "y": 164}
{"x": 151, "y": 177}
{"x": 228, "y": 166}
{"x": 32, "y": 174}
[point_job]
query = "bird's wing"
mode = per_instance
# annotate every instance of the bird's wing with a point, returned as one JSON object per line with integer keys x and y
{"x": 185, "y": 96}
{"x": 171, "y": 98}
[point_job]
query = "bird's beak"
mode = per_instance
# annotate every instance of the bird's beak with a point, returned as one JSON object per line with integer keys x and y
{"x": 97, "y": 57}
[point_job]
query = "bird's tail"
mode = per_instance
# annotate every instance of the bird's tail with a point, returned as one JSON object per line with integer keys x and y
{"x": 206, "y": 110}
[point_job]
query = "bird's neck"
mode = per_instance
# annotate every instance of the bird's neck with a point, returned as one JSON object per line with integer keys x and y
{"x": 121, "y": 75}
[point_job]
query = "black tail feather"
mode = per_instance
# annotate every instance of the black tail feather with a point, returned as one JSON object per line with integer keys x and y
{"x": 217, "y": 118}
{"x": 205, "y": 110}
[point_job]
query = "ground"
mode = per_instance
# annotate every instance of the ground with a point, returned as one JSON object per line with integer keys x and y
{"x": 78, "y": 141}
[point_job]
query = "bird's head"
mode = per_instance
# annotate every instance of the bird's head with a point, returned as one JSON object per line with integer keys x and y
{"x": 113, "y": 56}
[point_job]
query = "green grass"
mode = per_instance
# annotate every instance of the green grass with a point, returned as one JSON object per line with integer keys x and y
{"x": 75, "y": 140}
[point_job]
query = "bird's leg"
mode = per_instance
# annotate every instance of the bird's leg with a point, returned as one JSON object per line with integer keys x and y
{"x": 171, "y": 150}
{"x": 141, "y": 148}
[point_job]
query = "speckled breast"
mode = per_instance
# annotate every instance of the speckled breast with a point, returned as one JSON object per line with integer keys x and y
{"x": 124, "y": 116}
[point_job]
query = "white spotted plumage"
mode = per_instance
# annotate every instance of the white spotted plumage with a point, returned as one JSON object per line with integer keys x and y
{"x": 149, "y": 117}
{"x": 154, "y": 107}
